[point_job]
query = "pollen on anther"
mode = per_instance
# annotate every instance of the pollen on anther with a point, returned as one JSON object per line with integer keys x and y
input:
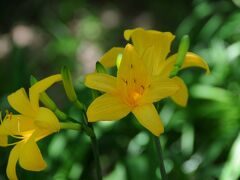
{"x": 131, "y": 66}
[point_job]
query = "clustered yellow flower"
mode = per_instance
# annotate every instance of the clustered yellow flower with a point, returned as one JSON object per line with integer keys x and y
{"x": 32, "y": 124}
{"x": 142, "y": 79}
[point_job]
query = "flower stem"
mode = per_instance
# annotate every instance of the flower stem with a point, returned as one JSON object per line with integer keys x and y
{"x": 72, "y": 96}
{"x": 70, "y": 125}
{"x": 160, "y": 157}
{"x": 95, "y": 148}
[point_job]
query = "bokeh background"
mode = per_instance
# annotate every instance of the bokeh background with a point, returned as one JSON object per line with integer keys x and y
{"x": 201, "y": 141}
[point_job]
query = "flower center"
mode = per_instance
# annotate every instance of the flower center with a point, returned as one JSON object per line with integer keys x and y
{"x": 134, "y": 96}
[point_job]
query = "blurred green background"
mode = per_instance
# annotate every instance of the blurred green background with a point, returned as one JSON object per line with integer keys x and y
{"x": 201, "y": 141}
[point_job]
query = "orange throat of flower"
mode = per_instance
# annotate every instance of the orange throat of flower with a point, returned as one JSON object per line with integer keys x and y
{"x": 134, "y": 97}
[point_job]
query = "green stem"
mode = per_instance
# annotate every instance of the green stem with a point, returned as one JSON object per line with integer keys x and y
{"x": 79, "y": 105}
{"x": 70, "y": 125}
{"x": 95, "y": 148}
{"x": 72, "y": 96}
{"x": 160, "y": 157}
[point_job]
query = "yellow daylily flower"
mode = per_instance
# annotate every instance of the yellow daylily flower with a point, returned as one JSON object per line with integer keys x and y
{"x": 134, "y": 90}
{"x": 153, "y": 47}
{"x": 32, "y": 124}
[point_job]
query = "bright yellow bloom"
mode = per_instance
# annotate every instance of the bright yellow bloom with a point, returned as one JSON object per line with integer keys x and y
{"x": 153, "y": 48}
{"x": 135, "y": 89}
{"x": 32, "y": 124}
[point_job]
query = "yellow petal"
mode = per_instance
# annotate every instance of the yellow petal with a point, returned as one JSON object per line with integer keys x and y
{"x": 148, "y": 117}
{"x": 47, "y": 120}
{"x": 20, "y": 102}
{"x": 110, "y": 57}
{"x": 101, "y": 82}
{"x": 159, "y": 88}
{"x": 107, "y": 108}
{"x": 30, "y": 157}
{"x": 128, "y": 33}
{"x": 191, "y": 60}
{"x": 3, "y": 135}
{"x": 181, "y": 96}
{"x": 40, "y": 87}
{"x": 41, "y": 133}
{"x": 143, "y": 39}
{"x": 3, "y": 140}
{"x": 17, "y": 125}
{"x": 12, "y": 161}
{"x": 132, "y": 71}
{"x": 151, "y": 60}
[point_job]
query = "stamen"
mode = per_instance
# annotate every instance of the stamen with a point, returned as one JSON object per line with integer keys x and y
{"x": 142, "y": 87}
{"x": 10, "y": 144}
{"x": 134, "y": 80}
{"x": 125, "y": 81}
{"x": 16, "y": 137}
{"x": 9, "y": 131}
{"x": 131, "y": 66}
{"x": 11, "y": 134}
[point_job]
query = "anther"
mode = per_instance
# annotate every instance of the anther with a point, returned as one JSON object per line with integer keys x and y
{"x": 125, "y": 81}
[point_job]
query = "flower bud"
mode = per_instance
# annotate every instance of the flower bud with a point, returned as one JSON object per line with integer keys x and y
{"x": 67, "y": 83}
{"x": 182, "y": 51}
{"x": 69, "y": 89}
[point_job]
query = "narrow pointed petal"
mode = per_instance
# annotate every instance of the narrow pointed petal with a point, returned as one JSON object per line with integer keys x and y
{"x": 148, "y": 117}
{"x": 12, "y": 162}
{"x": 109, "y": 58}
{"x": 20, "y": 102}
{"x": 30, "y": 157}
{"x": 160, "y": 88}
{"x": 41, "y": 86}
{"x": 132, "y": 70}
{"x": 16, "y": 125}
{"x": 107, "y": 108}
{"x": 191, "y": 60}
{"x": 47, "y": 120}
{"x": 143, "y": 39}
{"x": 181, "y": 96}
{"x": 101, "y": 82}
{"x": 151, "y": 60}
